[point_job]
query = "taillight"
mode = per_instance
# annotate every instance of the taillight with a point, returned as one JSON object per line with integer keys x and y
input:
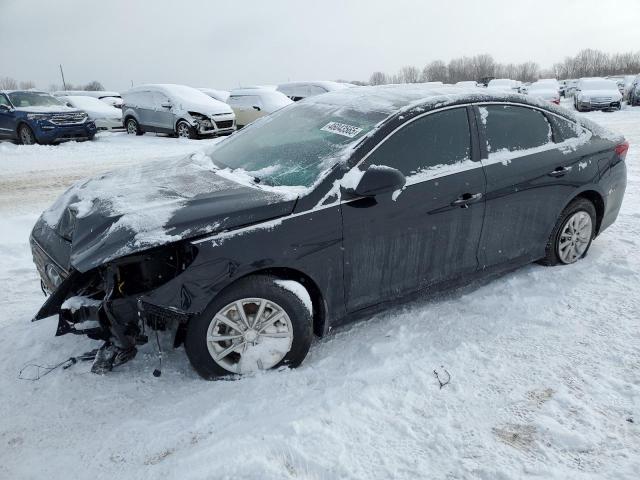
{"x": 621, "y": 150}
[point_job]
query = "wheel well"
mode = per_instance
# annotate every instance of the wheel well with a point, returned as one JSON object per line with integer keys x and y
{"x": 317, "y": 300}
{"x": 595, "y": 198}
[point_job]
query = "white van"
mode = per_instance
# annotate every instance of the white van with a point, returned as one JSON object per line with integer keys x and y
{"x": 175, "y": 109}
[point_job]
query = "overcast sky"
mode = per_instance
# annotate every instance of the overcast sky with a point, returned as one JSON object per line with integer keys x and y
{"x": 226, "y": 44}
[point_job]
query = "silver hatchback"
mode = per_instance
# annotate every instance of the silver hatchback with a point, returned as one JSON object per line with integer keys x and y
{"x": 175, "y": 109}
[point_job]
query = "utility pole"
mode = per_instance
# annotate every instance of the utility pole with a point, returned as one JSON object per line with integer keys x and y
{"x": 64, "y": 85}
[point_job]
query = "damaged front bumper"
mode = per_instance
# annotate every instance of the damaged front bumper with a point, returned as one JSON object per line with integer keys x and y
{"x": 115, "y": 302}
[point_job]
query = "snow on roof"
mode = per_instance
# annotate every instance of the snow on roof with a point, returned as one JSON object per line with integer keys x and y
{"x": 328, "y": 85}
{"x": 87, "y": 93}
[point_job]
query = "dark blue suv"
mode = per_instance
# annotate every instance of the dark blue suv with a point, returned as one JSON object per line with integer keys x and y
{"x": 32, "y": 117}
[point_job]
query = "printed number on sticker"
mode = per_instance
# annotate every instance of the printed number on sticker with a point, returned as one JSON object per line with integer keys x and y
{"x": 342, "y": 129}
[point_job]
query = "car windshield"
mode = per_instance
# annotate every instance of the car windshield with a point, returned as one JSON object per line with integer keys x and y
{"x": 599, "y": 85}
{"x": 33, "y": 99}
{"x": 541, "y": 86}
{"x": 295, "y": 145}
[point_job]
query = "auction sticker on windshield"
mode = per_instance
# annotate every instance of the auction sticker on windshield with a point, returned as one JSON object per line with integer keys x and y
{"x": 342, "y": 129}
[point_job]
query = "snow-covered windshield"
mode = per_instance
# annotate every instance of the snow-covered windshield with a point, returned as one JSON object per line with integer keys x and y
{"x": 293, "y": 146}
{"x": 541, "y": 86}
{"x": 598, "y": 85}
{"x": 33, "y": 99}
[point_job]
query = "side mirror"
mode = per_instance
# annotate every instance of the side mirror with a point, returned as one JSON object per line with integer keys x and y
{"x": 255, "y": 107}
{"x": 166, "y": 105}
{"x": 375, "y": 180}
{"x": 6, "y": 108}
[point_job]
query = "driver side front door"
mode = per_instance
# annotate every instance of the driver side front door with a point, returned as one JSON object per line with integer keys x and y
{"x": 401, "y": 242}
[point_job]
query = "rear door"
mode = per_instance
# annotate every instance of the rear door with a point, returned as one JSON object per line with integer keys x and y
{"x": 397, "y": 243}
{"x": 145, "y": 109}
{"x": 163, "y": 116}
{"x": 243, "y": 108}
{"x": 529, "y": 179}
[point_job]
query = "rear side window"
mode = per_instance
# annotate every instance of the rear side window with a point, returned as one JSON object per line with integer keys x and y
{"x": 438, "y": 139}
{"x": 513, "y": 128}
{"x": 564, "y": 129}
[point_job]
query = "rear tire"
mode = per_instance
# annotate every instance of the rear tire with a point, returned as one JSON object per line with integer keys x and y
{"x": 568, "y": 242}
{"x": 295, "y": 330}
{"x": 133, "y": 126}
{"x": 26, "y": 135}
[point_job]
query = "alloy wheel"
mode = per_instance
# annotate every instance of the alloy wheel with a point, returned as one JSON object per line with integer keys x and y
{"x": 249, "y": 334}
{"x": 575, "y": 236}
{"x": 184, "y": 130}
{"x": 132, "y": 127}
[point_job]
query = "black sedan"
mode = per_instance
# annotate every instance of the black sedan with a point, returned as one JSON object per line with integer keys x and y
{"x": 326, "y": 211}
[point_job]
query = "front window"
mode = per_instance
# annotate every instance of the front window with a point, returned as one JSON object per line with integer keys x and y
{"x": 296, "y": 145}
{"x": 33, "y": 99}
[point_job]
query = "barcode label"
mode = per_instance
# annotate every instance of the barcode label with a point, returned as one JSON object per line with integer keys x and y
{"x": 342, "y": 129}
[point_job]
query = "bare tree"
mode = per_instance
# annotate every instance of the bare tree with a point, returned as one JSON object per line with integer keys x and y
{"x": 378, "y": 78}
{"x": 410, "y": 74}
{"x": 435, "y": 71}
{"x": 27, "y": 84}
{"x": 94, "y": 86}
{"x": 8, "y": 83}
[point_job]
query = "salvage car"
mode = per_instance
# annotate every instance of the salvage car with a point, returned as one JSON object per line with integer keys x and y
{"x": 249, "y": 104}
{"x": 326, "y": 211}
{"x": 103, "y": 115}
{"x": 31, "y": 116}
{"x": 545, "y": 91}
{"x": 597, "y": 94}
{"x": 177, "y": 110}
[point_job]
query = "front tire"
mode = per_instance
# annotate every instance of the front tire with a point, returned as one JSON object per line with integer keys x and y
{"x": 572, "y": 235}
{"x": 184, "y": 130}
{"x": 26, "y": 135}
{"x": 133, "y": 127}
{"x": 255, "y": 324}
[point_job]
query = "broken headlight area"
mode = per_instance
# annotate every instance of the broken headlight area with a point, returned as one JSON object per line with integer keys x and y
{"x": 105, "y": 304}
{"x": 201, "y": 121}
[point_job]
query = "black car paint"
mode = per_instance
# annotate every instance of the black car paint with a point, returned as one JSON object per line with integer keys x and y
{"x": 351, "y": 253}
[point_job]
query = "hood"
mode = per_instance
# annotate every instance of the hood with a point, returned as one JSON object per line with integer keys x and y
{"x": 614, "y": 94}
{"x": 48, "y": 109}
{"x": 137, "y": 208}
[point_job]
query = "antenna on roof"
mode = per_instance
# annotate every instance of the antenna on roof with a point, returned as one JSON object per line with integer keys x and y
{"x": 64, "y": 85}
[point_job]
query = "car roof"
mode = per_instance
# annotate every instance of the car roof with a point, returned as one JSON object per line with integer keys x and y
{"x": 327, "y": 84}
{"x": 30, "y": 90}
{"x": 392, "y": 99}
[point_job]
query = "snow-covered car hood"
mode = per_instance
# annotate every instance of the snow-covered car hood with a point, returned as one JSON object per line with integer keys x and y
{"x": 138, "y": 208}
{"x": 614, "y": 94}
{"x": 47, "y": 109}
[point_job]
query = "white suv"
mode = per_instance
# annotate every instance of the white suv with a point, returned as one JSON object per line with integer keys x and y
{"x": 175, "y": 109}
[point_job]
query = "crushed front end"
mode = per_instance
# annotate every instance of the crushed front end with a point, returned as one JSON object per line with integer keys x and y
{"x": 106, "y": 303}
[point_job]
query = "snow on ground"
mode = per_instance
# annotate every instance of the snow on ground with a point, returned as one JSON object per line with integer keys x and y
{"x": 544, "y": 366}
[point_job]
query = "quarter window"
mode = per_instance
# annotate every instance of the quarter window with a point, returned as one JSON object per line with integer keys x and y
{"x": 513, "y": 128}
{"x": 564, "y": 129}
{"x": 435, "y": 140}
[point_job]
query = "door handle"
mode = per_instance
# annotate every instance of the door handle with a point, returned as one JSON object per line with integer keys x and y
{"x": 559, "y": 171}
{"x": 465, "y": 199}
